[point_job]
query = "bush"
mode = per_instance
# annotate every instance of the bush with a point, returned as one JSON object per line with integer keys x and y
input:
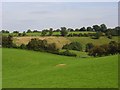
{"x": 89, "y": 46}
{"x": 67, "y": 53}
{"x": 97, "y": 51}
{"x": 23, "y": 46}
{"x": 41, "y": 45}
{"x": 113, "y": 47}
{"x": 96, "y": 36}
{"x": 7, "y": 41}
{"x": 73, "y": 46}
{"x": 106, "y": 49}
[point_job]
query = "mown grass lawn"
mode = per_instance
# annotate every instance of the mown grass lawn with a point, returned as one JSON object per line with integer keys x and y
{"x": 29, "y": 69}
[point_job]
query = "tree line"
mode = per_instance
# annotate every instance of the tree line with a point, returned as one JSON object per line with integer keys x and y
{"x": 64, "y": 31}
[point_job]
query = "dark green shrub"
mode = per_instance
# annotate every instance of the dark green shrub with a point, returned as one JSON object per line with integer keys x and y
{"x": 23, "y": 46}
{"x": 73, "y": 46}
{"x": 96, "y": 36}
{"x": 67, "y": 53}
{"x": 41, "y": 45}
{"x": 7, "y": 41}
{"x": 89, "y": 46}
{"x": 113, "y": 47}
{"x": 97, "y": 51}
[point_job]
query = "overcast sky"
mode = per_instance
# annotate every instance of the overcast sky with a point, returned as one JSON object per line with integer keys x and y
{"x": 40, "y": 15}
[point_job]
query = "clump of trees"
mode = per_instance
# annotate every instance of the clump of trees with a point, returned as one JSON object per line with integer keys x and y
{"x": 104, "y": 50}
{"x": 7, "y": 41}
{"x": 41, "y": 45}
{"x": 73, "y": 46}
{"x": 5, "y": 31}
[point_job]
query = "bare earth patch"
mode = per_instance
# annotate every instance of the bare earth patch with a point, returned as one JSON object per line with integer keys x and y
{"x": 60, "y": 65}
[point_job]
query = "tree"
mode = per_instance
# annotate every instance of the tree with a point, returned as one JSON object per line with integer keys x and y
{"x": 7, "y": 41}
{"x": 24, "y": 34}
{"x": 106, "y": 48}
{"x": 97, "y": 51}
{"x": 51, "y": 31}
{"x": 70, "y": 29}
{"x": 89, "y": 29}
{"x": 15, "y": 31}
{"x": 5, "y": 31}
{"x": 64, "y": 31}
{"x": 76, "y": 29}
{"x": 96, "y": 28}
{"x": 82, "y": 29}
{"x": 44, "y": 32}
{"x": 29, "y": 31}
{"x": 41, "y": 45}
{"x": 73, "y": 46}
{"x": 103, "y": 27}
{"x": 113, "y": 47}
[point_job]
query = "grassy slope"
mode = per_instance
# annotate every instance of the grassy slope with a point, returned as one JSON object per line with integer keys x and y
{"x": 85, "y": 40}
{"x": 36, "y": 69}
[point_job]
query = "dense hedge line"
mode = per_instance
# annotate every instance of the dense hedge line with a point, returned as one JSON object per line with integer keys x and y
{"x": 36, "y": 45}
{"x": 105, "y": 49}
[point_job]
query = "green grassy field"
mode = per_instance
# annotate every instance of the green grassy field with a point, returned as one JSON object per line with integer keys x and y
{"x": 29, "y": 69}
{"x": 38, "y": 34}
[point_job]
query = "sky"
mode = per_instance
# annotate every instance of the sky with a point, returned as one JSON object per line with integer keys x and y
{"x": 22, "y": 16}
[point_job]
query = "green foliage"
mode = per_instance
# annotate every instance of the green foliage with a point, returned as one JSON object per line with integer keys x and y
{"x": 63, "y": 31}
{"x": 50, "y": 32}
{"x": 73, "y": 46}
{"x": 82, "y": 29}
{"x": 15, "y": 31}
{"x": 29, "y": 31}
{"x": 67, "y": 53}
{"x": 7, "y": 41}
{"x": 96, "y": 36}
{"x": 89, "y": 46}
{"x": 23, "y": 46}
{"x": 103, "y": 27}
{"x": 89, "y": 29}
{"x": 44, "y": 32}
{"x": 113, "y": 47}
{"x": 96, "y": 28}
{"x": 96, "y": 51}
{"x": 41, "y": 45}
{"x": 106, "y": 49}
{"x": 5, "y": 31}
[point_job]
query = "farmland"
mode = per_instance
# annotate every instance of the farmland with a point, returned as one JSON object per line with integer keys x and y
{"x": 30, "y": 69}
{"x": 60, "y": 41}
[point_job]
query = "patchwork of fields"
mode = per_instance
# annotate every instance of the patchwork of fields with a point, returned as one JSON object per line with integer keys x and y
{"x": 30, "y": 69}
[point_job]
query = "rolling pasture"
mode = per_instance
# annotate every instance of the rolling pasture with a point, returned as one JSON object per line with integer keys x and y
{"x": 30, "y": 69}
{"x": 60, "y": 41}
